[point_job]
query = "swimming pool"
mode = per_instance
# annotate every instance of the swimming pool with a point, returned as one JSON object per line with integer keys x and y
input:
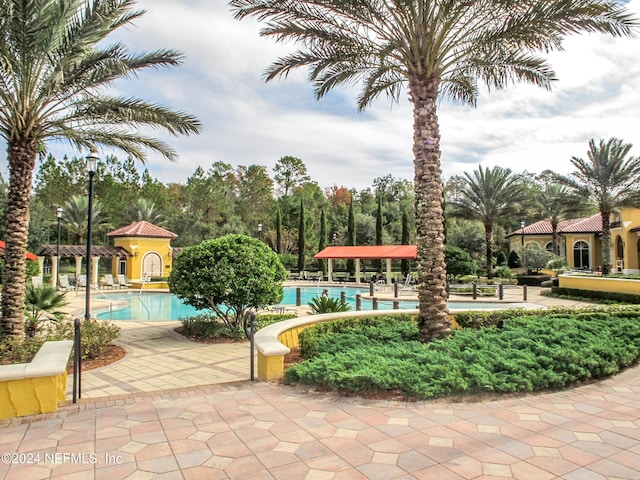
{"x": 166, "y": 306}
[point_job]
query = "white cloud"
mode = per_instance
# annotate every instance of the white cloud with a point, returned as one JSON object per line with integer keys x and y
{"x": 247, "y": 121}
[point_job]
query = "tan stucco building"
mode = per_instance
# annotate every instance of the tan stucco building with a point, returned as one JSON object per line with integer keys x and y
{"x": 580, "y": 240}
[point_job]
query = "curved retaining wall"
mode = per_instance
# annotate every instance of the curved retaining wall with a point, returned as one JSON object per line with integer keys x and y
{"x": 602, "y": 284}
{"x": 275, "y": 341}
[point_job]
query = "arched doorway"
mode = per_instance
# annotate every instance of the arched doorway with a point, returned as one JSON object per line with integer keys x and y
{"x": 581, "y": 255}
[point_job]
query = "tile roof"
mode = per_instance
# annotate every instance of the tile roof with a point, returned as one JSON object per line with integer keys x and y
{"x": 142, "y": 229}
{"x": 592, "y": 224}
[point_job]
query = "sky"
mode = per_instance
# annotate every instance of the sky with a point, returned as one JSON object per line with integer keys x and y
{"x": 247, "y": 121}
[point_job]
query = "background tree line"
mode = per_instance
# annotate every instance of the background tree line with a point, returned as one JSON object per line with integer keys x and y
{"x": 481, "y": 207}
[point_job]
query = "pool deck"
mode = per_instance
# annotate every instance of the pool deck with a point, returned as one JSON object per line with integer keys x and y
{"x": 180, "y": 410}
{"x": 159, "y": 359}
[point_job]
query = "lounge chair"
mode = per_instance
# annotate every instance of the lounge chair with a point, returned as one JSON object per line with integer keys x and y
{"x": 81, "y": 282}
{"x": 408, "y": 286}
{"x": 108, "y": 281}
{"x": 122, "y": 281}
{"x": 63, "y": 283}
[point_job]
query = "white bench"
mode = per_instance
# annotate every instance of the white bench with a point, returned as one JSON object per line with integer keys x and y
{"x": 38, "y": 386}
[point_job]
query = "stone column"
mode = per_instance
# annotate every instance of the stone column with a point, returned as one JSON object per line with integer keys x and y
{"x": 78, "y": 267}
{"x": 54, "y": 271}
{"x": 94, "y": 270}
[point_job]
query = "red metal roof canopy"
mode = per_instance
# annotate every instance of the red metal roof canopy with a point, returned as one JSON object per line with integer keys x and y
{"x": 376, "y": 252}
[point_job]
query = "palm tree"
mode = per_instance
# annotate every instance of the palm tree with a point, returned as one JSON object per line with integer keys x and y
{"x": 489, "y": 196}
{"x": 42, "y": 303}
{"x": 75, "y": 213}
{"x": 144, "y": 209}
{"x": 439, "y": 49}
{"x": 54, "y": 67}
{"x": 609, "y": 180}
{"x": 555, "y": 204}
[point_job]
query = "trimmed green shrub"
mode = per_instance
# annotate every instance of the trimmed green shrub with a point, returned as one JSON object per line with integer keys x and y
{"x": 209, "y": 327}
{"x": 514, "y": 260}
{"x": 310, "y": 336}
{"x": 532, "y": 280}
{"x": 530, "y": 352}
{"x": 593, "y": 294}
{"x": 459, "y": 262}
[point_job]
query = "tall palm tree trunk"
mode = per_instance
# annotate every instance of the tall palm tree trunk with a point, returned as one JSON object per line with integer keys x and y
{"x": 22, "y": 159}
{"x": 488, "y": 239}
{"x": 606, "y": 242}
{"x": 433, "y": 318}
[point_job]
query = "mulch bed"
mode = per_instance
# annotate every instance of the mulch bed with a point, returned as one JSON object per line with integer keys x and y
{"x": 111, "y": 355}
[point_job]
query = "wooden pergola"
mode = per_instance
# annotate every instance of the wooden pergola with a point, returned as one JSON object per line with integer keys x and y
{"x": 78, "y": 252}
{"x": 368, "y": 252}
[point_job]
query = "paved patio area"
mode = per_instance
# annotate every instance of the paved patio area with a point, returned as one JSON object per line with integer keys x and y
{"x": 178, "y": 410}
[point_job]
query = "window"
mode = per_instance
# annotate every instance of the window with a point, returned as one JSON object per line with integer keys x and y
{"x": 581, "y": 255}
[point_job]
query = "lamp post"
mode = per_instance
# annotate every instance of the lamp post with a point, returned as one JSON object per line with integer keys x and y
{"x": 334, "y": 238}
{"x": 92, "y": 164}
{"x": 260, "y": 231}
{"x": 522, "y": 239}
{"x": 59, "y": 211}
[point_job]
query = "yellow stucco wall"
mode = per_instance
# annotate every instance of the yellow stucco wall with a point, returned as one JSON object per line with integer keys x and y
{"x": 142, "y": 248}
{"x": 629, "y": 218}
{"x": 30, "y": 396}
{"x": 600, "y": 284}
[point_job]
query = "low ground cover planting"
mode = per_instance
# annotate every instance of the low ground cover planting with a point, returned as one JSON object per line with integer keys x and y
{"x": 208, "y": 327}
{"x": 508, "y": 352}
{"x": 95, "y": 340}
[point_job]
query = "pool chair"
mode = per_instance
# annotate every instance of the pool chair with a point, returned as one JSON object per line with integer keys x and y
{"x": 108, "y": 281}
{"x": 63, "y": 283}
{"x": 408, "y": 287}
{"x": 122, "y": 281}
{"x": 81, "y": 282}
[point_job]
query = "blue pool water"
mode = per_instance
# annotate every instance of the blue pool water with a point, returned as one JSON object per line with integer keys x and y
{"x": 165, "y": 306}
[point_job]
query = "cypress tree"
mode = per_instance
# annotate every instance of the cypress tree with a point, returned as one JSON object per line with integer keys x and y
{"x": 351, "y": 238}
{"x": 322, "y": 244}
{"x": 301, "y": 238}
{"x": 278, "y": 230}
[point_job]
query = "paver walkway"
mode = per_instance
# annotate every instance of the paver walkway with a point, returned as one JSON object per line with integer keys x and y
{"x": 243, "y": 430}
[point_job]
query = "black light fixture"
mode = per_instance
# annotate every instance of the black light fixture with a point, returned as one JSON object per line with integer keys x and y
{"x": 92, "y": 165}
{"x": 260, "y": 231}
{"x": 59, "y": 211}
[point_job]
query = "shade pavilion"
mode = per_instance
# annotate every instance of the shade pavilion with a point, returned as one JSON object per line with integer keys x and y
{"x": 368, "y": 252}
